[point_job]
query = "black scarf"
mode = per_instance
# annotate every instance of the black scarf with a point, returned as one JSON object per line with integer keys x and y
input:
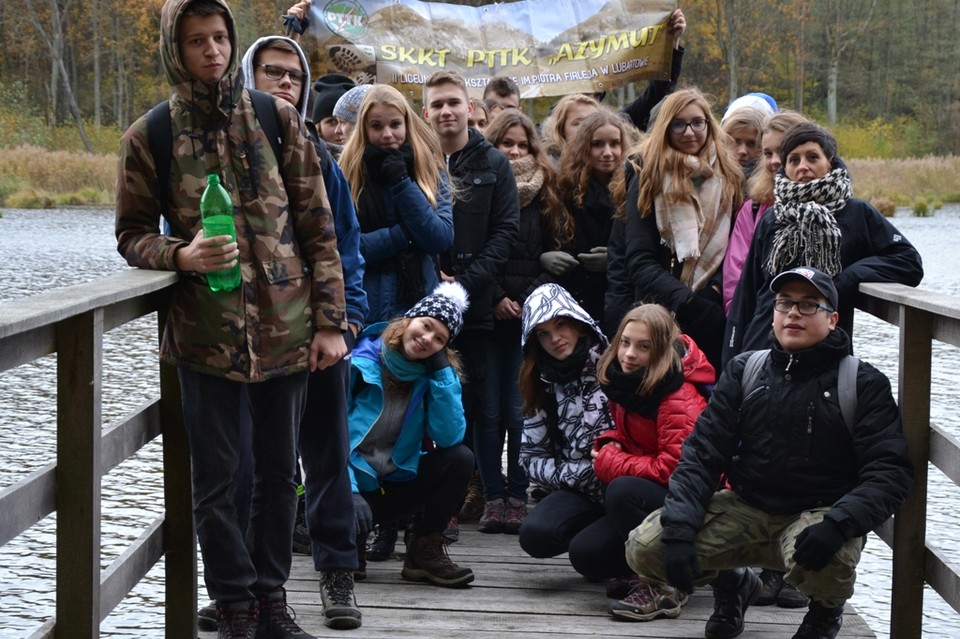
{"x": 623, "y": 388}
{"x": 566, "y": 370}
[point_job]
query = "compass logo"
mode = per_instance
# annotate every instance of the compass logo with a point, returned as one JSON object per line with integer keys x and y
{"x": 346, "y": 18}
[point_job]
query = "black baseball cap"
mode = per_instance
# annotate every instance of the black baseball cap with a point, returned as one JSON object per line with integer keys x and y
{"x": 818, "y": 279}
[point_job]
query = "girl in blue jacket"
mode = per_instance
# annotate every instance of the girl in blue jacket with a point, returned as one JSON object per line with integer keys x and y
{"x": 406, "y": 430}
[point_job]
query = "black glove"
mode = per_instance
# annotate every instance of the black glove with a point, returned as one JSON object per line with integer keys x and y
{"x": 394, "y": 167}
{"x": 437, "y": 361}
{"x": 816, "y": 545}
{"x": 364, "y": 517}
{"x": 702, "y": 314}
{"x": 681, "y": 565}
{"x": 385, "y": 166}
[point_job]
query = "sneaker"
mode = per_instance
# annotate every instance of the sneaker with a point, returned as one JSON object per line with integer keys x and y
{"x": 648, "y": 601}
{"x": 384, "y": 543}
{"x": 237, "y": 620}
{"x": 451, "y": 533}
{"x": 733, "y": 592}
{"x": 790, "y": 597}
{"x": 275, "y": 621}
{"x": 301, "y": 538}
{"x": 473, "y": 503}
{"x": 620, "y": 587}
{"x": 513, "y": 515}
{"x": 207, "y": 618}
{"x": 492, "y": 519}
{"x": 771, "y": 582}
{"x": 340, "y": 610}
{"x": 820, "y": 623}
{"x": 427, "y": 560}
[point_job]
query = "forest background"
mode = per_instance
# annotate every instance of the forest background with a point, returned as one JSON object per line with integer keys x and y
{"x": 883, "y": 75}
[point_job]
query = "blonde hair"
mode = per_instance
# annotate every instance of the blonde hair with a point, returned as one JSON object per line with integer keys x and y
{"x": 557, "y": 121}
{"x": 760, "y": 183}
{"x": 664, "y": 358}
{"x": 428, "y": 160}
{"x": 745, "y": 118}
{"x": 658, "y": 155}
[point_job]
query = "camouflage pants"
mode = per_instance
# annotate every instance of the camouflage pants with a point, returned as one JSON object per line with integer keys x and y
{"x": 735, "y": 534}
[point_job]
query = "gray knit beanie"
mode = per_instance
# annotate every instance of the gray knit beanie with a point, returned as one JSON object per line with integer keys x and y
{"x": 348, "y": 106}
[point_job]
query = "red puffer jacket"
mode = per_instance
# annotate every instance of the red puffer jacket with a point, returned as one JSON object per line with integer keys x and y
{"x": 648, "y": 448}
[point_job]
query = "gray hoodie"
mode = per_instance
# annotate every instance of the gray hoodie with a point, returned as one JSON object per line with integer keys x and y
{"x": 246, "y": 66}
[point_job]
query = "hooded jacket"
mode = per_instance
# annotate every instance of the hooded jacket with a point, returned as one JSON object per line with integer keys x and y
{"x": 785, "y": 447}
{"x": 650, "y": 447}
{"x": 555, "y": 449}
{"x": 292, "y": 283}
{"x": 338, "y": 191}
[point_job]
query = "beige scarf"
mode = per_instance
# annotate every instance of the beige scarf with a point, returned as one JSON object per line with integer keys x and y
{"x": 529, "y": 177}
{"x": 697, "y": 229}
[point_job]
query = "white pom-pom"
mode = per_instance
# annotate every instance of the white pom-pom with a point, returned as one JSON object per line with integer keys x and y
{"x": 455, "y": 292}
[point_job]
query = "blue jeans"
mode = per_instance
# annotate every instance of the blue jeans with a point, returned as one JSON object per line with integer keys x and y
{"x": 324, "y": 445}
{"x": 500, "y": 416}
{"x": 547, "y": 530}
{"x": 238, "y": 567}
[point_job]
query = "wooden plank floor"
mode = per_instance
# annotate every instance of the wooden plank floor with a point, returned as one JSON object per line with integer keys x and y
{"x": 514, "y": 595}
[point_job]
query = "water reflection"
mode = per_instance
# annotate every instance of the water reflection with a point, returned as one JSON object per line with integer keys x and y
{"x": 45, "y": 249}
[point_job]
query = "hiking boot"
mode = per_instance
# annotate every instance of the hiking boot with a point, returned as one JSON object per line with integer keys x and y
{"x": 207, "y": 618}
{"x": 340, "y": 610}
{"x": 275, "y": 621}
{"x": 361, "y": 572}
{"x": 513, "y": 515}
{"x": 427, "y": 560}
{"x": 492, "y": 519}
{"x": 790, "y": 597}
{"x": 771, "y": 584}
{"x": 473, "y": 503}
{"x": 733, "y": 592}
{"x": 649, "y": 601}
{"x": 620, "y": 587}
{"x": 538, "y": 492}
{"x": 301, "y": 538}
{"x": 451, "y": 533}
{"x": 384, "y": 543}
{"x": 237, "y": 620}
{"x": 820, "y": 623}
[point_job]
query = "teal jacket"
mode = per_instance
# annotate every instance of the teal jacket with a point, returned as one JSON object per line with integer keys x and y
{"x": 435, "y": 412}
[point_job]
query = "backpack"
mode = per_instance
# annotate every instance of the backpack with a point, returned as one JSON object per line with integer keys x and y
{"x": 846, "y": 382}
{"x": 160, "y": 137}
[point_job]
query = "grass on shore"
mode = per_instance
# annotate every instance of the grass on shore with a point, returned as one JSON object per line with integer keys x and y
{"x": 32, "y": 177}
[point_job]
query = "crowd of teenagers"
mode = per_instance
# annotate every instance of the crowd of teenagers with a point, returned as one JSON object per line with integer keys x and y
{"x": 646, "y": 314}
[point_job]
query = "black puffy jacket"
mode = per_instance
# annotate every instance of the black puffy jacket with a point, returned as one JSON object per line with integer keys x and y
{"x": 785, "y": 447}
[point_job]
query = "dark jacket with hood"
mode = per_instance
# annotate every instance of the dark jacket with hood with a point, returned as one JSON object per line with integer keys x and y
{"x": 486, "y": 217}
{"x": 292, "y": 283}
{"x": 785, "y": 447}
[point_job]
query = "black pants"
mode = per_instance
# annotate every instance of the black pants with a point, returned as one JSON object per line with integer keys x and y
{"x": 597, "y": 551}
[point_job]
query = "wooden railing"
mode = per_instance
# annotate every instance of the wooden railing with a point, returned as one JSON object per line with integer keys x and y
{"x": 72, "y": 321}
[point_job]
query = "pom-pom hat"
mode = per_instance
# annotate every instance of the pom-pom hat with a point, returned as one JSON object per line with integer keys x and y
{"x": 446, "y": 304}
{"x": 818, "y": 279}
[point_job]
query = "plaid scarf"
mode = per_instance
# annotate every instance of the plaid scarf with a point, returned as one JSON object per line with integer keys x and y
{"x": 806, "y": 225}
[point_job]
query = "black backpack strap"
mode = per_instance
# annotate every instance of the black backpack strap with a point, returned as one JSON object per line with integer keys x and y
{"x": 160, "y": 141}
{"x": 265, "y": 108}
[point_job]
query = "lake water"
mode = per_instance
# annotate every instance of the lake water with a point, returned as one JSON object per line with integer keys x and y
{"x": 40, "y": 250}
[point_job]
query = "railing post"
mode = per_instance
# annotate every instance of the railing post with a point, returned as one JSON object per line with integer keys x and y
{"x": 179, "y": 537}
{"x": 79, "y": 385}
{"x": 910, "y": 523}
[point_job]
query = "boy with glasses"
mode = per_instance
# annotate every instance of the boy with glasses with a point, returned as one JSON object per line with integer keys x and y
{"x": 804, "y": 488}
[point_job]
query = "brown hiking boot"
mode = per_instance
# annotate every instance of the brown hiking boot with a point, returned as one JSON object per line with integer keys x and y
{"x": 473, "y": 503}
{"x": 427, "y": 560}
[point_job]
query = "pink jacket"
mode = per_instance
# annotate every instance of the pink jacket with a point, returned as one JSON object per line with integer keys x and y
{"x": 738, "y": 248}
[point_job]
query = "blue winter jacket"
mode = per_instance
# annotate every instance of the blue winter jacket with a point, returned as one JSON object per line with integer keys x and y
{"x": 435, "y": 411}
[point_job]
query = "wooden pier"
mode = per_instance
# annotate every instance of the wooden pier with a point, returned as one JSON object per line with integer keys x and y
{"x": 514, "y": 595}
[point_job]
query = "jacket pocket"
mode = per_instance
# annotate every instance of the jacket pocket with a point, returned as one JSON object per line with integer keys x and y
{"x": 283, "y": 269}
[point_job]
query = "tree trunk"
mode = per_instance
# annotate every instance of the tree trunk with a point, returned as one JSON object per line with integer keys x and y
{"x": 801, "y": 59}
{"x": 96, "y": 63}
{"x": 730, "y": 16}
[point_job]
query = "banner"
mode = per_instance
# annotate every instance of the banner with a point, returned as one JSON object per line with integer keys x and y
{"x": 548, "y": 47}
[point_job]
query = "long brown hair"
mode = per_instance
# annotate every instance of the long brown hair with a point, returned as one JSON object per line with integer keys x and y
{"x": 428, "y": 160}
{"x": 392, "y": 337}
{"x": 551, "y": 208}
{"x": 657, "y": 153}
{"x": 664, "y": 333}
{"x": 760, "y": 184}
{"x": 554, "y": 125}
{"x": 532, "y": 387}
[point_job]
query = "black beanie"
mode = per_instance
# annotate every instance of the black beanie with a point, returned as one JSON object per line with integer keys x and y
{"x": 329, "y": 88}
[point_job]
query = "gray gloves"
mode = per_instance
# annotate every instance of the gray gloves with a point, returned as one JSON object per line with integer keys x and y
{"x": 364, "y": 517}
{"x": 558, "y": 263}
{"x": 596, "y": 260}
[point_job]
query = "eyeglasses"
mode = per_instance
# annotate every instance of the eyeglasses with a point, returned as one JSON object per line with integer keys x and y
{"x": 805, "y": 308}
{"x": 680, "y": 126}
{"x": 277, "y": 73}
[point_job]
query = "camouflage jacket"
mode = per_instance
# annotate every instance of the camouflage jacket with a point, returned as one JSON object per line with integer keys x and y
{"x": 291, "y": 274}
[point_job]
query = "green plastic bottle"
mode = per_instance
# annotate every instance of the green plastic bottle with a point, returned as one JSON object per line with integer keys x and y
{"x": 216, "y": 214}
